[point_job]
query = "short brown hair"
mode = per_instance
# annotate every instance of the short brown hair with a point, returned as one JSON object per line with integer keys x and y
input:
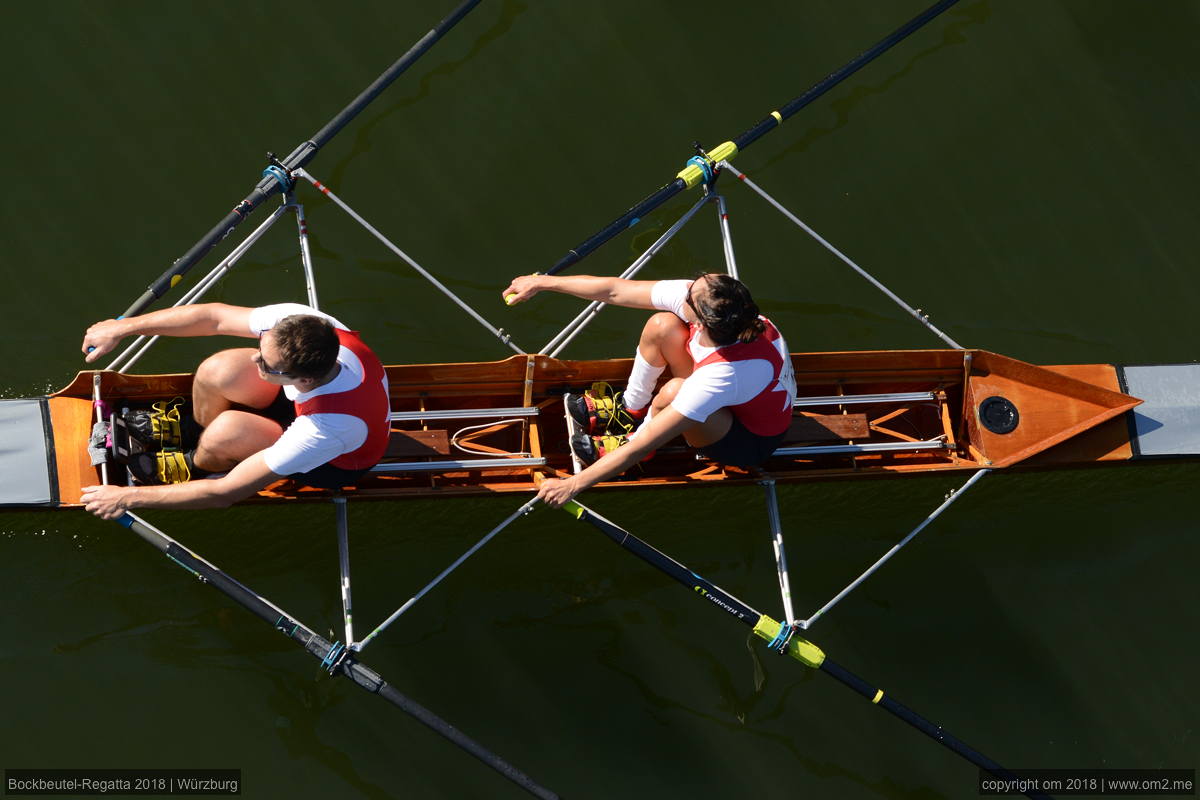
{"x": 308, "y": 345}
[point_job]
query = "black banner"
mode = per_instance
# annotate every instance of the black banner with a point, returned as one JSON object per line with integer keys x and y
{"x": 143, "y": 782}
{"x": 1092, "y": 782}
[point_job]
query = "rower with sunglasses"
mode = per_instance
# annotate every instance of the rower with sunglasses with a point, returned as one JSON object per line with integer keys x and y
{"x": 732, "y": 385}
{"x": 310, "y": 402}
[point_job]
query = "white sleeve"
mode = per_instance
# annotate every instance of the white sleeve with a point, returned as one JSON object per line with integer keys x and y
{"x": 264, "y": 318}
{"x": 719, "y": 385}
{"x": 314, "y": 439}
{"x": 670, "y": 296}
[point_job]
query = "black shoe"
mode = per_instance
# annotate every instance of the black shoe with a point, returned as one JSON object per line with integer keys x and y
{"x": 157, "y": 427}
{"x": 189, "y": 434}
{"x": 599, "y": 411}
{"x": 589, "y": 449}
{"x": 584, "y": 449}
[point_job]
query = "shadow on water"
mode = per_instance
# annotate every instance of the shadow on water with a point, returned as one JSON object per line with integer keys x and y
{"x": 365, "y": 127}
{"x": 952, "y": 35}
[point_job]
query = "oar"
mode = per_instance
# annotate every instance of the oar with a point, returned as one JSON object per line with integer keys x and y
{"x": 700, "y": 168}
{"x": 781, "y": 637}
{"x": 334, "y": 656}
{"x": 278, "y": 176}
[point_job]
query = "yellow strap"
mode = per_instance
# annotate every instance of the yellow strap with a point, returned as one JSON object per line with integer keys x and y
{"x": 172, "y": 467}
{"x": 164, "y": 422}
{"x": 778, "y": 117}
{"x": 878, "y": 696}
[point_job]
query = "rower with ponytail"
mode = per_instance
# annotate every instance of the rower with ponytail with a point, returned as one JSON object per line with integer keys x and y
{"x": 727, "y": 311}
{"x": 730, "y": 394}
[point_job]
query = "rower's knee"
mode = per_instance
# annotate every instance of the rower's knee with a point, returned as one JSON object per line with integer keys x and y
{"x": 227, "y": 378}
{"x": 664, "y": 342}
{"x": 234, "y": 436}
{"x": 664, "y": 328}
{"x": 666, "y": 394}
{"x": 225, "y": 370}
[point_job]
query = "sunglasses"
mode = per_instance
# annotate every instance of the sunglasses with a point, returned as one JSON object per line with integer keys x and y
{"x": 692, "y": 303}
{"x": 262, "y": 364}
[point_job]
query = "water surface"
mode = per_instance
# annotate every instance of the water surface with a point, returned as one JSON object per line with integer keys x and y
{"x": 1023, "y": 171}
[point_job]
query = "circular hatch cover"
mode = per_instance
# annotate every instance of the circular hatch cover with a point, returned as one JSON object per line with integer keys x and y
{"x": 998, "y": 415}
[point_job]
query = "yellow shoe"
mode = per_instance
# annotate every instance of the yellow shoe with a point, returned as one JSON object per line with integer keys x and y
{"x": 166, "y": 466}
{"x": 601, "y": 411}
{"x": 589, "y": 449}
{"x": 158, "y": 427}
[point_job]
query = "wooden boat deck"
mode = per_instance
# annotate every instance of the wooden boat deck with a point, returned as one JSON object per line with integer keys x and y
{"x": 1069, "y": 415}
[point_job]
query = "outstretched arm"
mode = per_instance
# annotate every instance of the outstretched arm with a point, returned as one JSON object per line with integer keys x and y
{"x": 664, "y": 426}
{"x": 110, "y": 502}
{"x": 206, "y": 319}
{"x": 614, "y": 291}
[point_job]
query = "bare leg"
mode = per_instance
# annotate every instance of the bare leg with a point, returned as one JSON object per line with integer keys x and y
{"x": 233, "y": 437}
{"x": 226, "y": 379}
{"x": 701, "y": 434}
{"x": 664, "y": 343}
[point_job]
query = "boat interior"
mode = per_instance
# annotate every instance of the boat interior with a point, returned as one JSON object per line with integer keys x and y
{"x": 484, "y": 428}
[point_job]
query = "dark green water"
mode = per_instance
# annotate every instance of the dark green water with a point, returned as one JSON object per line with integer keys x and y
{"x": 1026, "y": 171}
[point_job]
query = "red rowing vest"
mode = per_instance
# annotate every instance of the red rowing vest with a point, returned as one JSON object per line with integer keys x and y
{"x": 368, "y": 401}
{"x": 770, "y": 411}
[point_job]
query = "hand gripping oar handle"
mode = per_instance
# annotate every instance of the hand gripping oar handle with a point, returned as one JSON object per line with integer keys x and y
{"x": 781, "y": 637}
{"x": 334, "y": 656}
{"x": 275, "y": 178}
{"x": 701, "y": 168}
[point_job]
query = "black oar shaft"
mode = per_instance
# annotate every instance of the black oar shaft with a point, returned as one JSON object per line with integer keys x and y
{"x": 327, "y": 652}
{"x": 935, "y": 732}
{"x": 302, "y": 155}
{"x": 771, "y": 121}
{"x": 736, "y": 608}
{"x": 831, "y": 80}
{"x": 664, "y": 563}
{"x": 614, "y": 228}
{"x": 383, "y": 81}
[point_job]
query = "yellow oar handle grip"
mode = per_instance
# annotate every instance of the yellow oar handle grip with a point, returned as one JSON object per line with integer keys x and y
{"x": 509, "y": 299}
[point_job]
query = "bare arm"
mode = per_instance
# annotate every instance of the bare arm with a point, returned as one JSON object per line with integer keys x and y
{"x": 206, "y": 319}
{"x": 664, "y": 426}
{"x": 110, "y": 502}
{"x": 614, "y": 291}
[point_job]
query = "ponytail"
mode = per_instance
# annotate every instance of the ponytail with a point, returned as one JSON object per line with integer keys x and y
{"x": 728, "y": 312}
{"x": 752, "y": 331}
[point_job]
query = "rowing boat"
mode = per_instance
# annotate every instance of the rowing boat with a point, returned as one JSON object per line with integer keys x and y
{"x": 498, "y": 427}
{"x": 843, "y": 381}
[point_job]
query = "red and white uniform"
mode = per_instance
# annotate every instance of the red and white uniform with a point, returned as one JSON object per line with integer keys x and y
{"x": 345, "y": 422}
{"x": 753, "y": 380}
